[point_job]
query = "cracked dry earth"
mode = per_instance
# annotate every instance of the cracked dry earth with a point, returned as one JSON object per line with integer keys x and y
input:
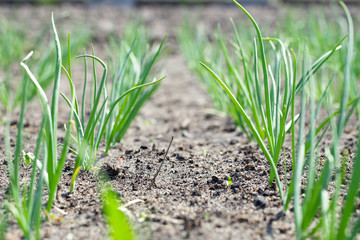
{"x": 190, "y": 199}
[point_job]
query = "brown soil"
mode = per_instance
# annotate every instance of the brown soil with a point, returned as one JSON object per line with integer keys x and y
{"x": 191, "y": 199}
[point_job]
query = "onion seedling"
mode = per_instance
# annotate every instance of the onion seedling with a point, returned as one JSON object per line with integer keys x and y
{"x": 204, "y": 153}
{"x": 110, "y": 115}
{"x": 25, "y": 205}
{"x": 319, "y": 213}
{"x": 132, "y": 62}
{"x": 270, "y": 97}
{"x": 51, "y": 162}
{"x": 88, "y": 140}
{"x": 229, "y": 181}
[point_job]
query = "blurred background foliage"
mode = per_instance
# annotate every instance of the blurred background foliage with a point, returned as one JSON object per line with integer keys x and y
{"x": 140, "y": 2}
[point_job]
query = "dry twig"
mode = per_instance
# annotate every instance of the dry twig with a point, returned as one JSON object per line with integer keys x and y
{"x": 157, "y": 172}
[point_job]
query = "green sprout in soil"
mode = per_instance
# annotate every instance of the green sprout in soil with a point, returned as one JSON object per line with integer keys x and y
{"x": 48, "y": 137}
{"x": 204, "y": 153}
{"x": 47, "y": 164}
{"x": 269, "y": 98}
{"x": 229, "y": 181}
{"x": 117, "y": 221}
{"x": 318, "y": 214}
{"x": 117, "y": 216}
{"x": 25, "y": 205}
{"x": 109, "y": 115}
{"x": 132, "y": 61}
{"x": 318, "y": 30}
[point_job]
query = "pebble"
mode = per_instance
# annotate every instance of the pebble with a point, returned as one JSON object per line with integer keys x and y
{"x": 260, "y": 202}
{"x": 196, "y": 193}
{"x": 215, "y": 179}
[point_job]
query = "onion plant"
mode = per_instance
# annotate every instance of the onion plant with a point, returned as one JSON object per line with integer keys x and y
{"x": 266, "y": 105}
{"x": 52, "y": 163}
{"x": 132, "y": 61}
{"x": 24, "y": 205}
{"x": 25, "y": 202}
{"x": 319, "y": 212}
{"x": 88, "y": 137}
{"x": 110, "y": 116}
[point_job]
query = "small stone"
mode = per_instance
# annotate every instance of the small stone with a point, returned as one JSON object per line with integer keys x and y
{"x": 185, "y": 124}
{"x": 196, "y": 193}
{"x": 215, "y": 179}
{"x": 180, "y": 158}
{"x": 235, "y": 188}
{"x": 233, "y": 141}
{"x": 229, "y": 129}
{"x": 128, "y": 151}
{"x": 260, "y": 202}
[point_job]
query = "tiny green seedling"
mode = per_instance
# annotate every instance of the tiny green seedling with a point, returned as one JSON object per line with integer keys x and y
{"x": 28, "y": 157}
{"x": 229, "y": 181}
{"x": 204, "y": 153}
{"x": 206, "y": 216}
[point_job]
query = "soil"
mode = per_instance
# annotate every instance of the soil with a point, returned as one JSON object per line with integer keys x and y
{"x": 191, "y": 198}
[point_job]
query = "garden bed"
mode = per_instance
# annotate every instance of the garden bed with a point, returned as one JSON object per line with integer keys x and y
{"x": 191, "y": 198}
